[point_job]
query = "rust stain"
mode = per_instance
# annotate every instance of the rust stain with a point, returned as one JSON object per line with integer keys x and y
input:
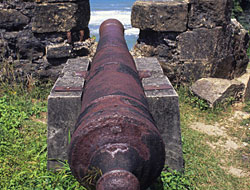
{"x": 67, "y": 89}
{"x": 157, "y": 87}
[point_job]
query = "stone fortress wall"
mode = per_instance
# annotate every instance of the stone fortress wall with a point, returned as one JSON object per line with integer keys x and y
{"x": 192, "y": 39}
{"x": 33, "y": 35}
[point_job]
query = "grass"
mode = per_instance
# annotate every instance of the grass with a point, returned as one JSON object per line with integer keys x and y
{"x": 23, "y": 148}
{"x": 205, "y": 163}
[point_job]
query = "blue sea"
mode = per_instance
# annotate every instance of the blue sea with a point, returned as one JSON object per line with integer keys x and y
{"x": 118, "y": 9}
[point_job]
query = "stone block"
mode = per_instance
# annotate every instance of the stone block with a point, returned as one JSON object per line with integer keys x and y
{"x": 57, "y": 1}
{"x": 209, "y": 13}
{"x": 241, "y": 44}
{"x": 216, "y": 90}
{"x": 12, "y": 19}
{"x": 63, "y": 109}
{"x": 212, "y": 47}
{"x": 58, "y": 51}
{"x": 199, "y": 44}
{"x": 161, "y": 15}
{"x": 28, "y": 46}
{"x": 163, "y": 104}
{"x": 60, "y": 17}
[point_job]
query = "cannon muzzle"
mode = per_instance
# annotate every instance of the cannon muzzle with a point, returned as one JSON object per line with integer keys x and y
{"x": 115, "y": 132}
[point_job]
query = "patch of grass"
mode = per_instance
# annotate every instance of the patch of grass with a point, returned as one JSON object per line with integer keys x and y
{"x": 204, "y": 163}
{"x": 247, "y": 106}
{"x": 23, "y": 147}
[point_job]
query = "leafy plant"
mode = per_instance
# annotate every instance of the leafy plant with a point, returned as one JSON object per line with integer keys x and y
{"x": 175, "y": 180}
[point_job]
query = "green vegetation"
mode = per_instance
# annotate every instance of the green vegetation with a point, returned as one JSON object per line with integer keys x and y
{"x": 23, "y": 153}
{"x": 237, "y": 9}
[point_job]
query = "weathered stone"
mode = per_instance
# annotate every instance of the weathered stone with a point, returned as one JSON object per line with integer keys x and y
{"x": 48, "y": 69}
{"x": 12, "y": 19}
{"x": 241, "y": 44}
{"x": 58, "y": 51}
{"x": 3, "y": 49}
{"x": 82, "y": 48}
{"x": 61, "y": 17}
{"x": 247, "y": 92}
{"x": 245, "y": 80}
{"x": 163, "y": 15}
{"x": 214, "y": 47}
{"x": 199, "y": 44}
{"x": 215, "y": 90}
{"x": 210, "y": 46}
{"x": 28, "y": 46}
{"x": 209, "y": 13}
{"x": 63, "y": 111}
{"x": 57, "y": 1}
{"x": 164, "y": 107}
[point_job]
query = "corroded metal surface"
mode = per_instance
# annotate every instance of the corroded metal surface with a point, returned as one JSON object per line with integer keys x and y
{"x": 115, "y": 131}
{"x": 118, "y": 179}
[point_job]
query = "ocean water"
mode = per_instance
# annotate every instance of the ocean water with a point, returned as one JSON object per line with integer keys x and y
{"x": 118, "y": 9}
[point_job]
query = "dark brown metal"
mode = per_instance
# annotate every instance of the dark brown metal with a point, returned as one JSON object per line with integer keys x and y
{"x": 115, "y": 132}
{"x": 118, "y": 179}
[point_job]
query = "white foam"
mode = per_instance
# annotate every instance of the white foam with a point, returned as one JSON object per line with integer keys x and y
{"x": 132, "y": 31}
{"x": 97, "y": 17}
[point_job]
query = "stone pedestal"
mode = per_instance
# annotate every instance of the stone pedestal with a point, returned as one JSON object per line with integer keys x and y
{"x": 64, "y": 104}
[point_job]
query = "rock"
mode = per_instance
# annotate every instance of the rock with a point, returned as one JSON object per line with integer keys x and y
{"x": 28, "y": 46}
{"x": 82, "y": 48}
{"x": 241, "y": 44}
{"x": 58, "y": 51}
{"x": 143, "y": 49}
{"x": 61, "y": 17}
{"x": 199, "y": 44}
{"x": 247, "y": 92}
{"x": 211, "y": 47}
{"x": 245, "y": 79}
{"x": 3, "y": 49}
{"x": 209, "y": 13}
{"x": 160, "y": 15}
{"x": 57, "y": 1}
{"x": 215, "y": 90}
{"x": 12, "y": 19}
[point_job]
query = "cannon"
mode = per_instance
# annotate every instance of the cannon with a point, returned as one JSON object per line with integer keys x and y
{"x": 115, "y": 132}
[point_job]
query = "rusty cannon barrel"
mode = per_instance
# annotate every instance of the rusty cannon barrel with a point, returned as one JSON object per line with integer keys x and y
{"x": 115, "y": 132}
